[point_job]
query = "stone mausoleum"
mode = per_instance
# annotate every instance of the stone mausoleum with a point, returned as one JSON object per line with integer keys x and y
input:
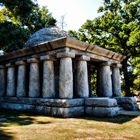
{"x": 52, "y": 76}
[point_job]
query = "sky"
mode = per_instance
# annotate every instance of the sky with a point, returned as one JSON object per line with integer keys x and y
{"x": 75, "y": 12}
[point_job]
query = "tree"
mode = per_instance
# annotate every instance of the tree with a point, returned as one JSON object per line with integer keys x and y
{"x": 136, "y": 74}
{"x": 19, "y": 8}
{"x": 117, "y": 29}
{"x": 18, "y": 20}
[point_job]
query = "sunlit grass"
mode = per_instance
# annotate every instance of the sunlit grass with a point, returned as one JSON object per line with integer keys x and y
{"x": 21, "y": 126}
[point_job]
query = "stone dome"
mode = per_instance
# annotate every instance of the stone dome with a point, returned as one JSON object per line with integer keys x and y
{"x": 45, "y": 35}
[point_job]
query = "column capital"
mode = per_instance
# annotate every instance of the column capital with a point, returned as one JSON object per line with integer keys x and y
{"x": 47, "y": 57}
{"x": 9, "y": 65}
{"x": 2, "y": 66}
{"x": 33, "y": 60}
{"x": 108, "y": 63}
{"x": 116, "y": 65}
{"x": 83, "y": 58}
{"x": 20, "y": 62}
{"x": 65, "y": 54}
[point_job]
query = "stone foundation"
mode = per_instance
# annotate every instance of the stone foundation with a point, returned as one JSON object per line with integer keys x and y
{"x": 101, "y": 107}
{"x": 50, "y": 107}
{"x": 97, "y": 106}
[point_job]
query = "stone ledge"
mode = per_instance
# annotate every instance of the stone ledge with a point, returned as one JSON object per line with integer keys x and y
{"x": 102, "y": 111}
{"x": 128, "y": 103}
{"x": 63, "y": 43}
{"x": 129, "y": 113}
{"x": 101, "y": 102}
{"x": 50, "y": 111}
{"x": 44, "y": 102}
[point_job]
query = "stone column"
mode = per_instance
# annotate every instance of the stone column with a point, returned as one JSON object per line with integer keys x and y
{"x": 48, "y": 87}
{"x": 2, "y": 80}
{"x": 11, "y": 87}
{"x": 82, "y": 77}
{"x": 116, "y": 80}
{"x": 104, "y": 81}
{"x": 21, "y": 78}
{"x": 65, "y": 75}
{"x": 34, "y": 79}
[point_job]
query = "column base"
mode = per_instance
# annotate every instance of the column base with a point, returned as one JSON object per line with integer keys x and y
{"x": 51, "y": 107}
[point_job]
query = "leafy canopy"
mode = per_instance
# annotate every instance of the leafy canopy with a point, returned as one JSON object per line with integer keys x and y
{"x": 117, "y": 29}
{"x": 18, "y": 20}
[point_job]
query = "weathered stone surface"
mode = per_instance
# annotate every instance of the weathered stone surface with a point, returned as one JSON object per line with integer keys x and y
{"x": 47, "y": 57}
{"x": 104, "y": 81}
{"x": 34, "y": 83}
{"x": 116, "y": 83}
{"x": 82, "y": 79}
{"x": 129, "y": 113}
{"x": 51, "y": 111}
{"x": 48, "y": 90}
{"x": 67, "y": 112}
{"x": 34, "y": 59}
{"x": 102, "y": 111}
{"x": 65, "y": 78}
{"x": 45, "y": 101}
{"x": 83, "y": 58}
{"x": 101, "y": 102}
{"x": 16, "y": 106}
{"x": 10, "y": 91}
{"x": 62, "y": 102}
{"x": 21, "y": 79}
{"x": 128, "y": 103}
{"x": 65, "y": 54}
{"x": 45, "y": 35}
{"x": 2, "y": 80}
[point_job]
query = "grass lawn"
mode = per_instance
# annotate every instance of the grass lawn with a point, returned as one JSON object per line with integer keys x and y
{"x": 23, "y": 126}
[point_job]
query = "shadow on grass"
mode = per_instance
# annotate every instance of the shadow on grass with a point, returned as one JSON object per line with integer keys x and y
{"x": 15, "y": 118}
{"x": 118, "y": 119}
{"x": 5, "y": 135}
{"x": 18, "y": 118}
{"x": 24, "y": 118}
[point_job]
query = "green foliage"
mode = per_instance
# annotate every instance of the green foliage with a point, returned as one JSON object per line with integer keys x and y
{"x": 136, "y": 72}
{"x": 20, "y": 8}
{"x": 39, "y": 18}
{"x": 117, "y": 29}
{"x": 12, "y": 36}
{"x": 18, "y": 20}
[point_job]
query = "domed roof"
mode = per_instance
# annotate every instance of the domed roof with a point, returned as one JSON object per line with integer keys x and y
{"x": 45, "y": 35}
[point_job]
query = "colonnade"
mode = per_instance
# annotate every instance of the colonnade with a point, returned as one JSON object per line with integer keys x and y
{"x": 108, "y": 78}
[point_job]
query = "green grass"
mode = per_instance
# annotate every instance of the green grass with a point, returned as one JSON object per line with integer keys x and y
{"x": 24, "y": 126}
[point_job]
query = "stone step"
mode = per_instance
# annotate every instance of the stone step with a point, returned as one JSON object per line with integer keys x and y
{"x": 64, "y": 112}
{"x": 129, "y": 113}
{"x": 128, "y": 103}
{"x": 101, "y": 107}
{"x": 101, "y": 102}
{"x": 102, "y": 111}
{"x": 44, "y": 101}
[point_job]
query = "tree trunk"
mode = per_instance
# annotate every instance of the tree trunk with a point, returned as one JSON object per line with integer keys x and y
{"x": 126, "y": 78}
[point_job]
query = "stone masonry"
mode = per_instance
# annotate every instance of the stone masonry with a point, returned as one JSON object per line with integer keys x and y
{"x": 51, "y": 76}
